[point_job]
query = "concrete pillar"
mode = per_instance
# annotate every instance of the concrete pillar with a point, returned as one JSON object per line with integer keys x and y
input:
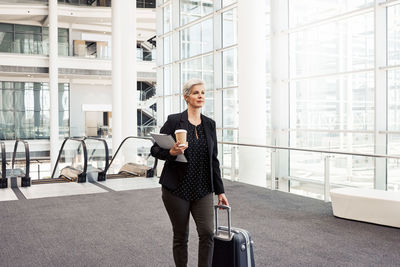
{"x": 53, "y": 84}
{"x": 117, "y": 10}
{"x": 252, "y": 85}
{"x": 128, "y": 71}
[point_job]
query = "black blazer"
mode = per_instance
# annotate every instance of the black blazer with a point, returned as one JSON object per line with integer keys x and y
{"x": 174, "y": 171}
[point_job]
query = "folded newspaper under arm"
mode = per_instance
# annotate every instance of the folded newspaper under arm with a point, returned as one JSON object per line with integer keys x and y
{"x": 166, "y": 141}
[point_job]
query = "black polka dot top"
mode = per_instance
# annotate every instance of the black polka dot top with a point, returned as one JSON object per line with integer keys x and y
{"x": 197, "y": 182}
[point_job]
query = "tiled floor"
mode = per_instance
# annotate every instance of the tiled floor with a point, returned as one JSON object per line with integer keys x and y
{"x": 69, "y": 189}
{"x": 60, "y": 189}
{"x": 7, "y": 194}
{"x": 131, "y": 183}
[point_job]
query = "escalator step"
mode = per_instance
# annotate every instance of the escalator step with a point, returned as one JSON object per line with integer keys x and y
{"x": 51, "y": 181}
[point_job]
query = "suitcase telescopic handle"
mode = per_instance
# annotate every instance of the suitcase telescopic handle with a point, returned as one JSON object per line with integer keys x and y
{"x": 228, "y": 209}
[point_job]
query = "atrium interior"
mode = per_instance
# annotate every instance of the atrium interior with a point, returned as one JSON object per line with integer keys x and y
{"x": 305, "y": 95}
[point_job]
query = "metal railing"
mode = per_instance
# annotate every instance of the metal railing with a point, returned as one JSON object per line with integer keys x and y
{"x": 119, "y": 151}
{"x": 3, "y": 178}
{"x": 273, "y": 156}
{"x": 82, "y": 176}
{"x": 25, "y": 180}
{"x": 92, "y": 157}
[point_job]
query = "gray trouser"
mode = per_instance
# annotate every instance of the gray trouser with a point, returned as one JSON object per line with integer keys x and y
{"x": 203, "y": 214}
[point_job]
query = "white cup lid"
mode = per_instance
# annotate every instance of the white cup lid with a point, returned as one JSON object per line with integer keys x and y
{"x": 180, "y": 131}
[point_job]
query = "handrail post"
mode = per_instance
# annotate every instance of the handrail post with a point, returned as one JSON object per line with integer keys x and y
{"x": 273, "y": 169}
{"x": 233, "y": 164}
{"x": 326, "y": 178}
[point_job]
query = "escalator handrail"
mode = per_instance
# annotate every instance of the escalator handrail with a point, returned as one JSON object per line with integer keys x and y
{"x": 77, "y": 139}
{"x": 123, "y": 141}
{"x": 105, "y": 147}
{"x": 27, "y": 156}
{"x": 3, "y": 160}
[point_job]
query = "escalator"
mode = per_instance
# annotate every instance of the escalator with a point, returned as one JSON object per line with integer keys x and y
{"x": 18, "y": 175}
{"x": 71, "y": 165}
{"x": 132, "y": 159}
{"x": 98, "y": 158}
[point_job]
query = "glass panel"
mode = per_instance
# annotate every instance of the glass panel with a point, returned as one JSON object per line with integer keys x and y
{"x": 230, "y": 108}
{"x": 63, "y": 97}
{"x": 229, "y": 27}
{"x": 7, "y": 125}
{"x": 28, "y": 29}
{"x": 171, "y": 105}
{"x": 192, "y": 10}
{"x": 197, "y": 39}
{"x": 207, "y": 35}
{"x": 45, "y": 97}
{"x": 393, "y": 165}
{"x": 63, "y": 122}
{"x": 393, "y": 35}
{"x": 6, "y": 42}
{"x": 227, "y": 2}
{"x": 4, "y": 27}
{"x": 229, "y": 68}
{"x": 208, "y": 72}
{"x": 305, "y": 11}
{"x": 167, "y": 49}
{"x": 191, "y": 41}
{"x": 43, "y": 130}
{"x": 24, "y": 100}
{"x": 208, "y": 108}
{"x": 167, "y": 81}
{"x": 28, "y": 108}
{"x": 344, "y": 45}
{"x": 344, "y": 170}
{"x": 339, "y": 102}
{"x": 7, "y": 100}
{"x": 393, "y": 100}
{"x": 27, "y": 43}
{"x": 24, "y": 124}
{"x": 190, "y": 69}
{"x": 167, "y": 18}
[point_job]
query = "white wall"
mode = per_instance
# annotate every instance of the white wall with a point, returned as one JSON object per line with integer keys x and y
{"x": 86, "y": 94}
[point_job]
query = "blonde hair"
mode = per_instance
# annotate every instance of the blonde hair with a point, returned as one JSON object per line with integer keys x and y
{"x": 187, "y": 87}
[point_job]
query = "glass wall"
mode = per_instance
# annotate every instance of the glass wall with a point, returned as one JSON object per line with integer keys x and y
{"x": 205, "y": 47}
{"x": 27, "y": 39}
{"x": 25, "y": 110}
{"x": 342, "y": 68}
{"x": 332, "y": 90}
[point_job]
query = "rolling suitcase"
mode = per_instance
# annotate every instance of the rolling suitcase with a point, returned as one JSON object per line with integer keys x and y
{"x": 233, "y": 247}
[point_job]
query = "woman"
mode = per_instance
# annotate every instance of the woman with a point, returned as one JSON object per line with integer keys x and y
{"x": 187, "y": 187}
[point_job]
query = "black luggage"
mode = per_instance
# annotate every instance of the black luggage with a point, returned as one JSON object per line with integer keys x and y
{"x": 233, "y": 247}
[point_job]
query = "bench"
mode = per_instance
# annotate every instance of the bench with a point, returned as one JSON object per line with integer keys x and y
{"x": 367, "y": 205}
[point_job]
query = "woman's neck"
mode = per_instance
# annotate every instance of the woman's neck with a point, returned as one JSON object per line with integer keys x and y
{"x": 194, "y": 115}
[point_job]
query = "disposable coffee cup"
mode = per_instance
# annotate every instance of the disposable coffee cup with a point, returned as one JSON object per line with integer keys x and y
{"x": 181, "y": 136}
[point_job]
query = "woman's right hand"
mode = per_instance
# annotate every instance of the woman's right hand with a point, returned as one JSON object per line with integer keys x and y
{"x": 177, "y": 150}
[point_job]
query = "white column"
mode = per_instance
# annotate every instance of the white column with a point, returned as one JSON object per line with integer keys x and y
{"x": 128, "y": 62}
{"x": 280, "y": 97}
{"x": 53, "y": 84}
{"x": 380, "y": 96}
{"x": 117, "y": 9}
{"x": 252, "y": 90}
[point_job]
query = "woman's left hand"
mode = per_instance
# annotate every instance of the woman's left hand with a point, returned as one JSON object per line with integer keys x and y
{"x": 222, "y": 200}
